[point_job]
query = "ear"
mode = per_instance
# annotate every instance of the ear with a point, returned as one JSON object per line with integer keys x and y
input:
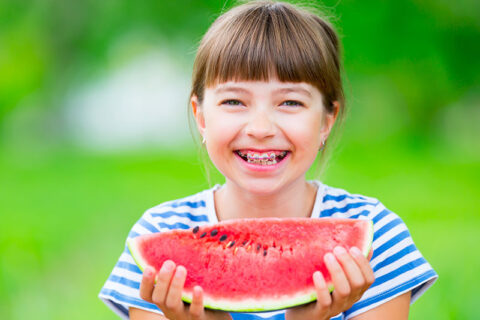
{"x": 330, "y": 119}
{"x": 198, "y": 114}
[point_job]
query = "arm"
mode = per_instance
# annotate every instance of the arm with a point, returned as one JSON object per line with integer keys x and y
{"x": 395, "y": 309}
{"x": 139, "y": 314}
{"x": 164, "y": 289}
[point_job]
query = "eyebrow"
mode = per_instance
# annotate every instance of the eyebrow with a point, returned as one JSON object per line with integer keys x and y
{"x": 230, "y": 89}
{"x": 281, "y": 90}
{"x": 294, "y": 90}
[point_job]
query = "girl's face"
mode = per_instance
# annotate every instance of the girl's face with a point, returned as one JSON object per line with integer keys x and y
{"x": 263, "y": 136}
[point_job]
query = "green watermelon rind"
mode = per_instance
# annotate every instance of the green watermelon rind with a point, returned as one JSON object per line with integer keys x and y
{"x": 276, "y": 304}
{"x": 227, "y": 305}
{"x": 234, "y": 306}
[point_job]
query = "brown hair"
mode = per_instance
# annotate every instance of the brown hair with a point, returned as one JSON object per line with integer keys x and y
{"x": 259, "y": 40}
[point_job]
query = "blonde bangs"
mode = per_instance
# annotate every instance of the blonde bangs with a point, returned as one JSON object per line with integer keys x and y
{"x": 263, "y": 40}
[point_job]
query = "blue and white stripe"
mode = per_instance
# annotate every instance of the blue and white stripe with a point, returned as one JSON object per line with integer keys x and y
{"x": 399, "y": 267}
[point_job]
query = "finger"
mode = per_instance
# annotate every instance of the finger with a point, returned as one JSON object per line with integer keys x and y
{"x": 146, "y": 286}
{"x": 174, "y": 295}
{"x": 324, "y": 299}
{"x": 196, "y": 307}
{"x": 164, "y": 278}
{"x": 352, "y": 271}
{"x": 364, "y": 265}
{"x": 370, "y": 254}
{"x": 340, "y": 282}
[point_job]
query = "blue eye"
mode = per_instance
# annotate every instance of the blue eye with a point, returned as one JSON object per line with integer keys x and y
{"x": 292, "y": 103}
{"x": 232, "y": 102}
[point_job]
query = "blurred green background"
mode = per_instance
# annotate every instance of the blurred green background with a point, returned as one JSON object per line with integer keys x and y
{"x": 93, "y": 131}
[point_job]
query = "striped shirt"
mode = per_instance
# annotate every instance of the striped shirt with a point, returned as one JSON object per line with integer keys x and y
{"x": 398, "y": 265}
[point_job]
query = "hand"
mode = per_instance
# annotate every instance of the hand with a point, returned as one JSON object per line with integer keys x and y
{"x": 167, "y": 294}
{"x": 351, "y": 276}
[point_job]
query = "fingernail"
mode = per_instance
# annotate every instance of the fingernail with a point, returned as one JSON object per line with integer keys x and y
{"x": 319, "y": 280}
{"x": 329, "y": 258}
{"x": 168, "y": 266}
{"x": 181, "y": 271}
{"x": 339, "y": 251}
{"x": 148, "y": 272}
{"x": 355, "y": 251}
{"x": 197, "y": 289}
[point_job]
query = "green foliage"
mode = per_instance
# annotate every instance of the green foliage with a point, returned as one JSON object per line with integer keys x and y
{"x": 427, "y": 50}
{"x": 65, "y": 217}
{"x": 411, "y": 140}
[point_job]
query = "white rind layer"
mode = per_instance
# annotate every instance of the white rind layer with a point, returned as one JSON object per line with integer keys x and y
{"x": 137, "y": 257}
{"x": 367, "y": 245}
{"x": 255, "y": 305}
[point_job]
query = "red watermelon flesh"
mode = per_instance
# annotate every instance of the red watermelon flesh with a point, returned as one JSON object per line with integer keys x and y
{"x": 253, "y": 264}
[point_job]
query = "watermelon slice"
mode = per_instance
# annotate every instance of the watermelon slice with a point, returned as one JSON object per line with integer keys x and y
{"x": 253, "y": 264}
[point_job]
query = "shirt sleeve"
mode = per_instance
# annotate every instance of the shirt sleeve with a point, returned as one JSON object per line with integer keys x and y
{"x": 121, "y": 290}
{"x": 397, "y": 264}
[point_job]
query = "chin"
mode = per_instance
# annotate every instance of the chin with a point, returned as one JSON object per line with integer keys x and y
{"x": 260, "y": 187}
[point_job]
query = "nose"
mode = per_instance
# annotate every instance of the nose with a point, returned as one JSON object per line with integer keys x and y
{"x": 260, "y": 124}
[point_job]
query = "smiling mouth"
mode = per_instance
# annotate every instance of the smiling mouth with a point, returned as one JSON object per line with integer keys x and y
{"x": 262, "y": 158}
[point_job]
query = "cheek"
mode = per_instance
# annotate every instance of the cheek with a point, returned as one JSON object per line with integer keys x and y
{"x": 304, "y": 131}
{"x": 221, "y": 129}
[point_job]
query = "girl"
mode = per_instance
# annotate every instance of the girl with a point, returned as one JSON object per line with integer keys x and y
{"x": 266, "y": 93}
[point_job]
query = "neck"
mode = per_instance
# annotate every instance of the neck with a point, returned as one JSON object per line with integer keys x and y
{"x": 295, "y": 200}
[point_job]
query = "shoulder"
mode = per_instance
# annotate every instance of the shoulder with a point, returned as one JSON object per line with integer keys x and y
{"x": 183, "y": 213}
{"x": 398, "y": 265}
{"x": 339, "y": 203}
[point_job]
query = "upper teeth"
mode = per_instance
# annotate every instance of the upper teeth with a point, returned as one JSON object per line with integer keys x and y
{"x": 261, "y": 156}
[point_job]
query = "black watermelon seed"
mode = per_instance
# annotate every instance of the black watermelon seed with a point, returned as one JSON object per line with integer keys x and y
{"x": 195, "y": 230}
{"x": 244, "y": 242}
{"x": 264, "y": 252}
{"x": 223, "y": 238}
{"x": 231, "y": 244}
{"x": 259, "y": 246}
{"x": 203, "y": 235}
{"x": 214, "y": 232}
